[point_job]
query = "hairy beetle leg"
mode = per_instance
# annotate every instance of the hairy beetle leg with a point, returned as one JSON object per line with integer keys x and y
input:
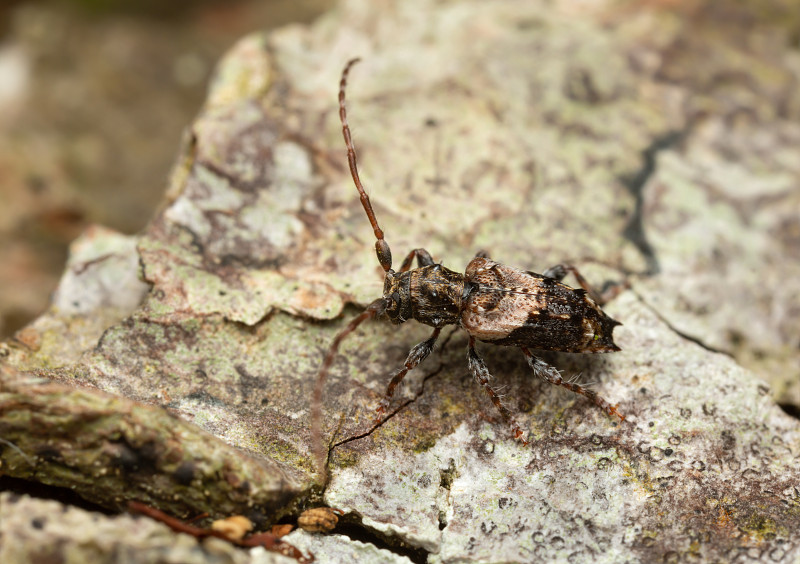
{"x": 482, "y": 376}
{"x": 549, "y": 374}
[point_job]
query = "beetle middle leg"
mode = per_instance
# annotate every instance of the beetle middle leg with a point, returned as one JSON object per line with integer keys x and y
{"x": 481, "y": 374}
{"x": 419, "y": 353}
{"x": 548, "y": 373}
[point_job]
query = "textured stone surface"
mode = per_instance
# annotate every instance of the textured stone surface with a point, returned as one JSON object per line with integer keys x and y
{"x": 703, "y": 464}
{"x": 99, "y": 288}
{"x": 111, "y": 450}
{"x": 540, "y": 134}
{"x": 35, "y": 530}
{"x": 338, "y": 548}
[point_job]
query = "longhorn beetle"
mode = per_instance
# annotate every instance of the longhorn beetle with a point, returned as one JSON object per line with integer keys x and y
{"x": 492, "y": 302}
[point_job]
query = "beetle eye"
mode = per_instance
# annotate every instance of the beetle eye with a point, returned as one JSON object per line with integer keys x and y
{"x": 395, "y": 300}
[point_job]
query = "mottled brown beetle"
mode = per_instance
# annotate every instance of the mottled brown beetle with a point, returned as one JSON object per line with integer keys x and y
{"x": 492, "y": 302}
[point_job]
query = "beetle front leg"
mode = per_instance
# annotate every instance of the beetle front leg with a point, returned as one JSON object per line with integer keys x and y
{"x": 424, "y": 258}
{"x": 419, "y": 353}
{"x": 482, "y": 376}
{"x": 549, "y": 374}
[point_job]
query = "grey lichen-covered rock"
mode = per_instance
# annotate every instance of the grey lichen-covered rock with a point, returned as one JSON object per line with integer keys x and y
{"x": 534, "y": 132}
{"x": 99, "y": 288}
{"x": 338, "y": 548}
{"x": 703, "y": 464}
{"x": 35, "y": 530}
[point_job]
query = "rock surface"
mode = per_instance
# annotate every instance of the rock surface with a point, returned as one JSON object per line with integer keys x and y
{"x": 46, "y": 531}
{"x": 532, "y": 131}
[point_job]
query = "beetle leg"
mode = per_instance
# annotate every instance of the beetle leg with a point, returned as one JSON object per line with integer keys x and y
{"x": 423, "y": 259}
{"x": 481, "y": 374}
{"x": 559, "y": 271}
{"x": 548, "y": 373}
{"x": 419, "y": 353}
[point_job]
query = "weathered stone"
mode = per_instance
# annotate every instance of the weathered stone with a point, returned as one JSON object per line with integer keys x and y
{"x": 111, "y": 450}
{"x": 36, "y": 530}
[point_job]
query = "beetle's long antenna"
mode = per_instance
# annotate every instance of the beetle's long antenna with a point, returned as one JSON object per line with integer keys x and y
{"x": 381, "y": 246}
{"x": 374, "y": 309}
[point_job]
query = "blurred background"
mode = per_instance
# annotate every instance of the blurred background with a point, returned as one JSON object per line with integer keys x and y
{"x": 94, "y": 96}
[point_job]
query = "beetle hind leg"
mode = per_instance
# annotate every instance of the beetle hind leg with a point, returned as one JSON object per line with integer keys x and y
{"x": 482, "y": 376}
{"x": 549, "y": 374}
{"x": 560, "y": 271}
